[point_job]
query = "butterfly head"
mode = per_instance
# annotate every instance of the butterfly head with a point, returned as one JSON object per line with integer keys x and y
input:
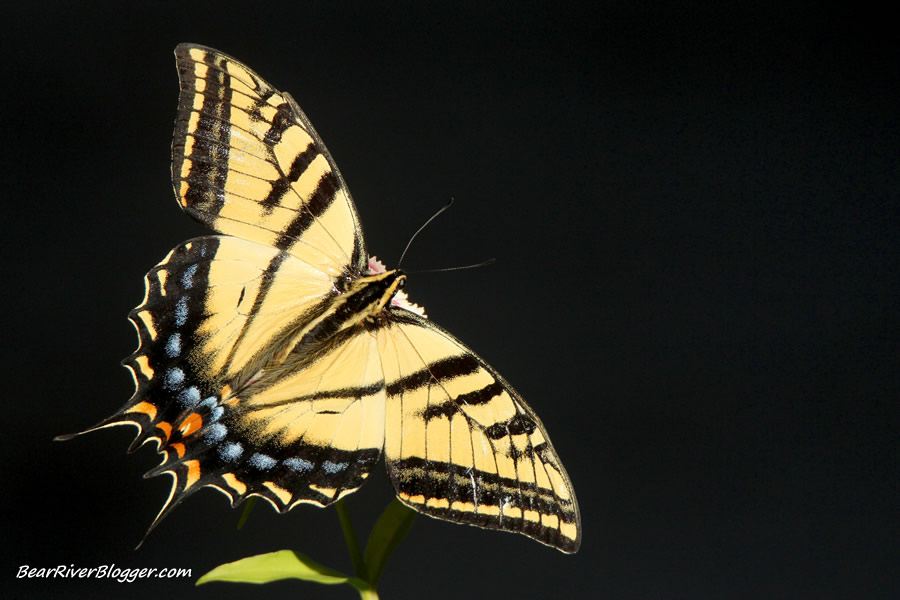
{"x": 399, "y": 298}
{"x": 382, "y": 288}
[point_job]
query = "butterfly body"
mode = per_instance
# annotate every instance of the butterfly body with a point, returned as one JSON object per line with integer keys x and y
{"x": 279, "y": 360}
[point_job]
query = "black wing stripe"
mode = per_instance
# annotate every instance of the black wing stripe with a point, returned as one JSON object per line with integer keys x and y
{"x": 282, "y": 185}
{"x": 517, "y": 425}
{"x": 283, "y": 119}
{"x": 268, "y": 280}
{"x": 476, "y": 397}
{"x": 216, "y": 108}
{"x": 420, "y": 475}
{"x": 440, "y": 370}
{"x": 319, "y": 202}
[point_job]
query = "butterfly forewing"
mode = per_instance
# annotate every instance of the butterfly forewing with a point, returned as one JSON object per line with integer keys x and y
{"x": 462, "y": 445}
{"x": 247, "y": 162}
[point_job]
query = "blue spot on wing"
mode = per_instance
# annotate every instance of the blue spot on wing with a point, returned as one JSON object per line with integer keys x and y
{"x": 214, "y": 433}
{"x": 173, "y": 346}
{"x": 181, "y": 311}
{"x": 262, "y": 462}
{"x": 298, "y": 464}
{"x": 231, "y": 451}
{"x": 187, "y": 278}
{"x": 332, "y": 468}
{"x": 189, "y": 397}
{"x": 174, "y": 379}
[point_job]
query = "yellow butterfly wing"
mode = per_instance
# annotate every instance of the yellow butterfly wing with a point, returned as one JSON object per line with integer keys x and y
{"x": 247, "y": 162}
{"x": 462, "y": 445}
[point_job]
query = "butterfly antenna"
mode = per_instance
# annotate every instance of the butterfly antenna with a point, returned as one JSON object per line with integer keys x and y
{"x": 483, "y": 263}
{"x": 424, "y": 225}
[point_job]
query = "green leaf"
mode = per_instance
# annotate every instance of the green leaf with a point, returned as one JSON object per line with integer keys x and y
{"x": 390, "y": 529}
{"x": 285, "y": 564}
{"x": 272, "y": 566}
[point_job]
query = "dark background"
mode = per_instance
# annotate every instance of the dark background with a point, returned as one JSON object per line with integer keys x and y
{"x": 695, "y": 219}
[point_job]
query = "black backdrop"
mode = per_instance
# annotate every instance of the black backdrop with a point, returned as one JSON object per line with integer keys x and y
{"x": 695, "y": 216}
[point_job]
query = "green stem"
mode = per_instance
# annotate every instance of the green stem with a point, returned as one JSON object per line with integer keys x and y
{"x": 350, "y": 539}
{"x": 245, "y": 514}
{"x": 366, "y": 591}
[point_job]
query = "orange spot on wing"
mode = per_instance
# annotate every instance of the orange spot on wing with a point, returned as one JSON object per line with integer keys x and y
{"x": 144, "y": 408}
{"x": 191, "y": 423}
{"x": 179, "y": 448}
{"x": 193, "y": 473}
{"x": 166, "y": 429}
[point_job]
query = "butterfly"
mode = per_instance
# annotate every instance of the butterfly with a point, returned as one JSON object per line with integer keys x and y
{"x": 279, "y": 360}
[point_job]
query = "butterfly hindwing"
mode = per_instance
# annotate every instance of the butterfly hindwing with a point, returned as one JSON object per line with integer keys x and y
{"x": 247, "y": 162}
{"x": 462, "y": 445}
{"x": 223, "y": 408}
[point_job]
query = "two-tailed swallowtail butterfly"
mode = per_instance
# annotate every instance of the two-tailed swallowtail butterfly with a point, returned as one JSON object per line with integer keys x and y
{"x": 279, "y": 360}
